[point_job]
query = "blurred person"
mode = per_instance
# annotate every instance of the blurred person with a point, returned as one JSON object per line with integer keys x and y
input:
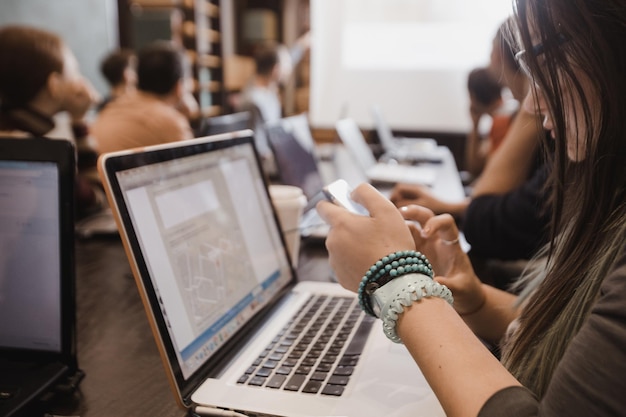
{"x": 486, "y": 103}
{"x": 149, "y": 115}
{"x": 119, "y": 68}
{"x": 274, "y": 65}
{"x": 40, "y": 79}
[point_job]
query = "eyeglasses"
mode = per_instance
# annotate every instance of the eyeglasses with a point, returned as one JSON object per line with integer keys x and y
{"x": 522, "y": 56}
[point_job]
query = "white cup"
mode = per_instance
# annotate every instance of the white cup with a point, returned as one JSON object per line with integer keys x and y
{"x": 289, "y": 202}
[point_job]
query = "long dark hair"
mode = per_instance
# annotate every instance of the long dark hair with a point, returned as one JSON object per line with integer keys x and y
{"x": 583, "y": 60}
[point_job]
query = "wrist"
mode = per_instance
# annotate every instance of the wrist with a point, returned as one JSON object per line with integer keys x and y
{"x": 481, "y": 300}
{"x": 387, "y": 268}
{"x": 390, "y": 300}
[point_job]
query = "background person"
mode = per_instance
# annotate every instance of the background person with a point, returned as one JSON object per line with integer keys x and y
{"x": 40, "y": 79}
{"x": 150, "y": 115}
{"x": 119, "y": 69}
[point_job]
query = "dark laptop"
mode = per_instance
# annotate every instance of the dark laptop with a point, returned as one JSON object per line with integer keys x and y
{"x": 296, "y": 161}
{"x": 297, "y": 164}
{"x": 37, "y": 296}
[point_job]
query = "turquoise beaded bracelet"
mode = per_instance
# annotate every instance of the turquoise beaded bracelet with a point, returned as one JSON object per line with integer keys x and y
{"x": 387, "y": 268}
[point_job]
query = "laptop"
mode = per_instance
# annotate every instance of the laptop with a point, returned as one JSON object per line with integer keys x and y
{"x": 37, "y": 279}
{"x": 297, "y": 165}
{"x": 380, "y": 172}
{"x": 235, "y": 328}
{"x": 411, "y": 150}
{"x": 225, "y": 123}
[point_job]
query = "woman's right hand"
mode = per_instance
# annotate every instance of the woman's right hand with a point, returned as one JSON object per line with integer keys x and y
{"x": 437, "y": 238}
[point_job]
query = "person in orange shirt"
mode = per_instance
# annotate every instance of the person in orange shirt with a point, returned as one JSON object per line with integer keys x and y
{"x": 150, "y": 115}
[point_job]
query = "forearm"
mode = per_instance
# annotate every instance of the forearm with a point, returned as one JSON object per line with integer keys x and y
{"x": 461, "y": 371}
{"x": 457, "y": 209}
{"x": 492, "y": 319}
{"x": 509, "y": 166}
{"x": 474, "y": 161}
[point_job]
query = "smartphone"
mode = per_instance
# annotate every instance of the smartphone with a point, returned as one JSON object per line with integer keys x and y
{"x": 338, "y": 192}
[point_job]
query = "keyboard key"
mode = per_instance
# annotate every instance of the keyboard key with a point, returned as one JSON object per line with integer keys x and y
{"x": 295, "y": 382}
{"x": 338, "y": 380}
{"x": 335, "y": 390}
{"x": 283, "y": 370}
{"x": 270, "y": 364}
{"x": 304, "y": 370}
{"x": 312, "y": 387}
{"x": 276, "y": 381}
{"x": 343, "y": 370}
{"x": 264, "y": 372}
{"x": 319, "y": 376}
{"x": 257, "y": 381}
{"x": 360, "y": 337}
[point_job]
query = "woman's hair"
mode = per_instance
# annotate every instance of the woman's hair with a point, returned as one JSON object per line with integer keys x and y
{"x": 505, "y": 46}
{"x": 588, "y": 227}
{"x": 27, "y": 58}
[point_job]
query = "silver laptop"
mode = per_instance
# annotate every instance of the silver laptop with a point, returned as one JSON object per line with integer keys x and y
{"x": 380, "y": 172}
{"x": 235, "y": 329}
{"x": 412, "y": 150}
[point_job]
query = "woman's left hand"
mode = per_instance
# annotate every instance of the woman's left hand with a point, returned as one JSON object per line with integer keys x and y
{"x": 356, "y": 242}
{"x": 437, "y": 237}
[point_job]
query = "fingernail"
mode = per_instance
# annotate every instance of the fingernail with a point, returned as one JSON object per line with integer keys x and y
{"x": 404, "y": 208}
{"x": 425, "y": 232}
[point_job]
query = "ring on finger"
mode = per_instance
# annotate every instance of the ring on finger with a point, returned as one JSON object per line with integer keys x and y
{"x": 450, "y": 242}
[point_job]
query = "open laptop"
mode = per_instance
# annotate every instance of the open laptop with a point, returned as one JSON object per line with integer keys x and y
{"x": 411, "y": 150}
{"x": 213, "y": 272}
{"x": 380, "y": 172}
{"x": 37, "y": 279}
{"x": 297, "y": 164}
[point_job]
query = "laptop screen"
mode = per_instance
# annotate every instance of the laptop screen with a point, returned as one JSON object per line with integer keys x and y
{"x": 30, "y": 261}
{"x": 212, "y": 249}
{"x": 296, "y": 165}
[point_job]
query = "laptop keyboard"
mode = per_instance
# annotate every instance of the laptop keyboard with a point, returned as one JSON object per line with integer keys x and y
{"x": 316, "y": 352}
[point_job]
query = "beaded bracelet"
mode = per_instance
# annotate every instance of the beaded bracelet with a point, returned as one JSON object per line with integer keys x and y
{"x": 387, "y": 268}
{"x": 402, "y": 293}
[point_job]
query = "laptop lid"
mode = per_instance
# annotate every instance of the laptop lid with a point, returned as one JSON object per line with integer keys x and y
{"x": 204, "y": 244}
{"x": 379, "y": 172}
{"x": 383, "y": 130}
{"x": 294, "y": 154}
{"x": 353, "y": 139}
{"x": 37, "y": 278}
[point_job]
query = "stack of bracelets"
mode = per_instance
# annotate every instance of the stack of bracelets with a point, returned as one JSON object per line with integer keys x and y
{"x": 393, "y": 266}
{"x": 387, "y": 268}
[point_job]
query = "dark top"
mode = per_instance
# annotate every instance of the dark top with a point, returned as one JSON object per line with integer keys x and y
{"x": 590, "y": 380}
{"x": 509, "y": 226}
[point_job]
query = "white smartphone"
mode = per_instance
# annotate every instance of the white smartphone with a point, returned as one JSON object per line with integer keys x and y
{"x": 338, "y": 192}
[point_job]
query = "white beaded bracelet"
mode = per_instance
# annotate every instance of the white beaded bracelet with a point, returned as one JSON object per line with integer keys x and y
{"x": 389, "y": 300}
